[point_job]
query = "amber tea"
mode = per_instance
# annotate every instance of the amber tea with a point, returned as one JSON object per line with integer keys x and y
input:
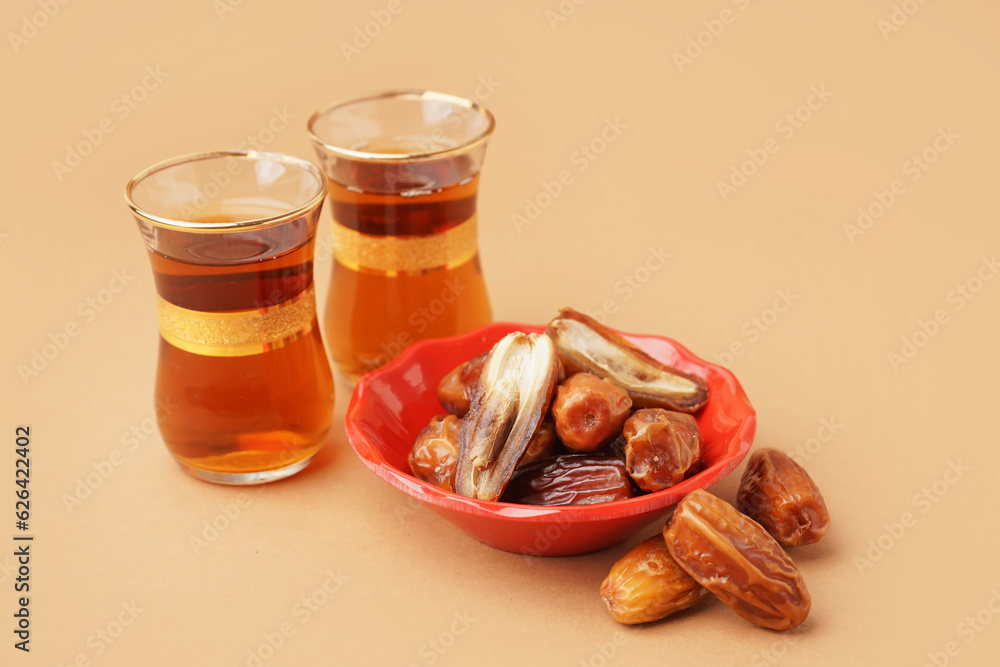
{"x": 404, "y": 175}
{"x": 264, "y": 408}
{"x": 242, "y": 368}
{"x": 406, "y": 267}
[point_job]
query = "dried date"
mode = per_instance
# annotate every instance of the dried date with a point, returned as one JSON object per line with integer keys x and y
{"x": 570, "y": 479}
{"x": 778, "y": 493}
{"x": 544, "y": 443}
{"x": 661, "y": 447}
{"x": 647, "y": 584}
{"x": 456, "y": 389}
{"x": 589, "y": 412}
{"x": 514, "y": 393}
{"x": 735, "y": 558}
{"x": 435, "y": 452}
{"x": 584, "y": 344}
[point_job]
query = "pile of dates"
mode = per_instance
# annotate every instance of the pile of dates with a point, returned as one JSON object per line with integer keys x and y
{"x": 579, "y": 415}
{"x": 576, "y": 415}
{"x": 735, "y": 553}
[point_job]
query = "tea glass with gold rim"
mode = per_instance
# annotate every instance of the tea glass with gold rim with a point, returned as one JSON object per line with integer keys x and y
{"x": 244, "y": 392}
{"x": 404, "y": 178}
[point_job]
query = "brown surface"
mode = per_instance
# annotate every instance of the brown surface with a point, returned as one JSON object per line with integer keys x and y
{"x": 409, "y": 575}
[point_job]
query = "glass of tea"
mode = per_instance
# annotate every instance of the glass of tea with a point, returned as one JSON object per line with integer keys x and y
{"x": 404, "y": 173}
{"x": 244, "y": 392}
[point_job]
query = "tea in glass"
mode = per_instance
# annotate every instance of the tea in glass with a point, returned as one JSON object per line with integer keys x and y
{"x": 243, "y": 386}
{"x": 404, "y": 175}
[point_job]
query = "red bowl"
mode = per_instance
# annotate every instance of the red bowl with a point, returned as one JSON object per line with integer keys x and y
{"x": 392, "y": 404}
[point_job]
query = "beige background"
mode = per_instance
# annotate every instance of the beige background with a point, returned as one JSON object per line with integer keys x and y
{"x": 402, "y": 575}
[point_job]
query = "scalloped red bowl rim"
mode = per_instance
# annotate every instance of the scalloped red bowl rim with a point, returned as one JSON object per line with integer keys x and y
{"x": 428, "y": 493}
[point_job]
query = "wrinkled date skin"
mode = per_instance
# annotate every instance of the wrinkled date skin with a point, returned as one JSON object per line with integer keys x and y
{"x": 778, "y": 493}
{"x": 736, "y": 559}
{"x": 589, "y": 412}
{"x": 584, "y": 344}
{"x": 661, "y": 447}
{"x": 647, "y": 584}
{"x": 570, "y": 479}
{"x": 435, "y": 452}
{"x": 457, "y": 388}
{"x": 543, "y": 444}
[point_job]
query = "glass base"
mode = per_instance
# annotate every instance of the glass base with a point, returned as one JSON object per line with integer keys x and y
{"x": 247, "y": 478}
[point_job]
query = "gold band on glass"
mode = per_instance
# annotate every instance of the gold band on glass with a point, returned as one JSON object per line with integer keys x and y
{"x": 239, "y": 333}
{"x": 400, "y": 255}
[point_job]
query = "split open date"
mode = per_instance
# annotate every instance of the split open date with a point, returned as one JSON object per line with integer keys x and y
{"x": 576, "y": 415}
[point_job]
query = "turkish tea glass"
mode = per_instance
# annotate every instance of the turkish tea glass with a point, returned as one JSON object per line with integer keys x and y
{"x": 244, "y": 392}
{"x": 404, "y": 175}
